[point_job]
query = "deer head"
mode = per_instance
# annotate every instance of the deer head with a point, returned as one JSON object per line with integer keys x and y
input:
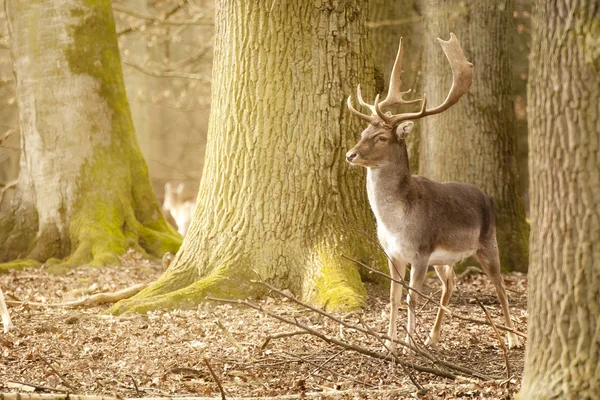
{"x": 381, "y": 140}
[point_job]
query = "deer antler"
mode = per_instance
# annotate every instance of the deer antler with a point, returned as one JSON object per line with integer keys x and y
{"x": 462, "y": 76}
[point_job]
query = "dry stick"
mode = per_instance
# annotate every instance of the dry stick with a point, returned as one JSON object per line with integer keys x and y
{"x": 464, "y": 370}
{"x": 334, "y": 341}
{"x": 137, "y": 390}
{"x": 500, "y": 340}
{"x": 92, "y": 301}
{"x": 281, "y": 335}
{"x": 322, "y": 365}
{"x": 406, "y": 370}
{"x": 60, "y": 376}
{"x": 450, "y": 313}
{"x": 40, "y": 387}
{"x": 319, "y": 367}
{"x": 229, "y": 336}
{"x": 212, "y": 373}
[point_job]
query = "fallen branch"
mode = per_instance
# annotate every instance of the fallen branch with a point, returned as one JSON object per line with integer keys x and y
{"x": 57, "y": 373}
{"x": 214, "y": 376}
{"x": 281, "y": 335}
{"x": 500, "y": 340}
{"x": 92, "y": 301}
{"x": 334, "y": 341}
{"x": 332, "y": 372}
{"x": 38, "y": 387}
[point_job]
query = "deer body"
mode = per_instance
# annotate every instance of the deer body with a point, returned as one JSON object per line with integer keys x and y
{"x": 420, "y": 221}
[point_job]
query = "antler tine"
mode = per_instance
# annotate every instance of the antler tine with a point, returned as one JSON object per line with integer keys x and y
{"x": 395, "y": 95}
{"x": 362, "y": 102}
{"x": 368, "y": 118}
{"x": 462, "y": 77}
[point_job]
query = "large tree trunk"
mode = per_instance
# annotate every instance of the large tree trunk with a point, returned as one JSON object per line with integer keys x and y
{"x": 83, "y": 191}
{"x": 277, "y": 202}
{"x": 562, "y": 356}
{"x": 475, "y": 141}
{"x": 388, "y": 22}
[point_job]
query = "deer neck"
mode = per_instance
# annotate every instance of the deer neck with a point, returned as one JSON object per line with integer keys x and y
{"x": 389, "y": 186}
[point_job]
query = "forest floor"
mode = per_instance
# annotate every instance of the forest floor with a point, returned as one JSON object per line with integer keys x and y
{"x": 163, "y": 353}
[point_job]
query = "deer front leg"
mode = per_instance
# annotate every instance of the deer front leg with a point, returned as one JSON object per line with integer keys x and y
{"x": 446, "y": 275}
{"x": 397, "y": 269}
{"x": 418, "y": 271}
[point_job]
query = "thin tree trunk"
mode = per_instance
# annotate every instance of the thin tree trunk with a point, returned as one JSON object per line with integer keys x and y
{"x": 475, "y": 142}
{"x": 562, "y": 355}
{"x": 83, "y": 194}
{"x": 388, "y": 22}
{"x": 277, "y": 202}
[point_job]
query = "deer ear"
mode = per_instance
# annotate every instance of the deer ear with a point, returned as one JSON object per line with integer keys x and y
{"x": 404, "y": 128}
{"x": 168, "y": 187}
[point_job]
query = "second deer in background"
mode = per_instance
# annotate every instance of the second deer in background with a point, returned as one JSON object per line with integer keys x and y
{"x": 180, "y": 209}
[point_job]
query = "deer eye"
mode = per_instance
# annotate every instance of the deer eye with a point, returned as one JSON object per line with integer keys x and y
{"x": 382, "y": 139}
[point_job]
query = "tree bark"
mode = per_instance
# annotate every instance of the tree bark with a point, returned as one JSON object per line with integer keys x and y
{"x": 277, "y": 202}
{"x": 83, "y": 194}
{"x": 388, "y": 22}
{"x": 475, "y": 141}
{"x": 562, "y": 355}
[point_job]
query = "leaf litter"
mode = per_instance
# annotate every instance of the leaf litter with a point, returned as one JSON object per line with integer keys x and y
{"x": 162, "y": 353}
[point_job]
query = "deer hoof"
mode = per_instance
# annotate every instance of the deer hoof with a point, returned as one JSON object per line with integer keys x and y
{"x": 513, "y": 341}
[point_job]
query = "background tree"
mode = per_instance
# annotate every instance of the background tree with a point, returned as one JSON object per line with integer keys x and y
{"x": 83, "y": 190}
{"x": 276, "y": 198}
{"x": 388, "y": 22}
{"x": 562, "y": 354}
{"x": 476, "y": 142}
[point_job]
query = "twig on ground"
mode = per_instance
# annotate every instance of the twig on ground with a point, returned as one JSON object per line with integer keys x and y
{"x": 229, "y": 336}
{"x": 498, "y": 336}
{"x": 137, "y": 390}
{"x": 214, "y": 376}
{"x": 330, "y": 340}
{"x": 406, "y": 370}
{"x": 92, "y": 301}
{"x": 281, "y": 335}
{"x": 57, "y": 373}
{"x": 332, "y": 372}
{"x": 39, "y": 387}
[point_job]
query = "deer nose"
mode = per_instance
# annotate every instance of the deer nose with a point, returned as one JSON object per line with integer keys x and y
{"x": 350, "y": 156}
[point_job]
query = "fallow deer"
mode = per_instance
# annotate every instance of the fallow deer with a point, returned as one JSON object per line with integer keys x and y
{"x": 420, "y": 221}
{"x": 180, "y": 209}
{"x": 6, "y": 322}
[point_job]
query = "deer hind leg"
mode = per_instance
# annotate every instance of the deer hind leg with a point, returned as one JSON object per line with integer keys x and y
{"x": 446, "y": 275}
{"x": 418, "y": 271}
{"x": 397, "y": 269}
{"x": 490, "y": 262}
